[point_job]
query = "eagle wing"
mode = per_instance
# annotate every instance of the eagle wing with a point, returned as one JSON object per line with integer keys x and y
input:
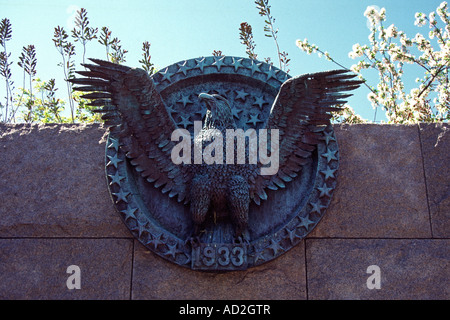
{"x": 301, "y": 109}
{"x": 134, "y": 109}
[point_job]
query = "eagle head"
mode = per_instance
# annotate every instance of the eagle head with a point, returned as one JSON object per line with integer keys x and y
{"x": 219, "y": 114}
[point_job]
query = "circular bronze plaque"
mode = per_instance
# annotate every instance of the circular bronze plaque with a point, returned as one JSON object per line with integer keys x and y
{"x": 164, "y": 225}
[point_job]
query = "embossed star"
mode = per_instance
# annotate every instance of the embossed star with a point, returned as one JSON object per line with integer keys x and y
{"x": 142, "y": 227}
{"x": 328, "y": 136}
{"x": 121, "y": 196}
{"x": 170, "y": 109}
{"x": 116, "y": 178}
{"x": 166, "y": 75}
{"x": 237, "y": 64}
{"x": 317, "y": 207}
{"x": 330, "y": 155}
{"x": 275, "y": 246}
{"x": 254, "y": 119}
{"x": 172, "y": 251}
{"x": 184, "y": 100}
{"x": 259, "y": 101}
{"x": 200, "y": 63}
{"x": 183, "y": 68}
{"x": 283, "y": 78}
{"x": 271, "y": 73}
{"x": 222, "y": 92}
{"x": 241, "y": 94}
{"x": 255, "y": 67}
{"x": 259, "y": 256}
{"x": 324, "y": 191}
{"x": 328, "y": 173}
{"x": 114, "y": 160}
{"x": 219, "y": 62}
{"x": 305, "y": 222}
{"x": 156, "y": 241}
{"x": 185, "y": 122}
{"x": 129, "y": 213}
{"x": 114, "y": 144}
{"x": 236, "y": 112}
{"x": 292, "y": 235}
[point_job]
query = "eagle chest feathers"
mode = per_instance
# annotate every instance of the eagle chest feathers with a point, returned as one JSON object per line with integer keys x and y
{"x": 219, "y": 186}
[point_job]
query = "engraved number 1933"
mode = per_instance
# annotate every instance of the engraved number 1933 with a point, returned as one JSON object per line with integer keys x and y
{"x": 218, "y": 257}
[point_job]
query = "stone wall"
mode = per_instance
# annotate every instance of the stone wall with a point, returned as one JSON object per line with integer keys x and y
{"x": 391, "y": 208}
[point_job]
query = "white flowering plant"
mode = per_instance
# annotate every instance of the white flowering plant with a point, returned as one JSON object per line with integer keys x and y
{"x": 388, "y": 51}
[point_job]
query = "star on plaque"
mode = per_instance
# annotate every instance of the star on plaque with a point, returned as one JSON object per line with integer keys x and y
{"x": 185, "y": 122}
{"x": 236, "y": 112}
{"x": 271, "y": 73}
{"x": 129, "y": 213}
{"x": 241, "y": 94}
{"x": 254, "y": 119}
{"x": 114, "y": 144}
{"x": 172, "y": 250}
{"x": 156, "y": 240}
{"x": 121, "y": 196}
{"x": 275, "y": 246}
{"x": 330, "y": 155}
{"x": 328, "y": 173}
{"x": 218, "y": 62}
{"x": 256, "y": 67}
{"x": 116, "y": 178}
{"x": 166, "y": 75}
{"x": 183, "y": 68}
{"x": 324, "y": 191}
{"x": 114, "y": 160}
{"x": 170, "y": 109}
{"x": 317, "y": 207}
{"x": 292, "y": 235}
{"x": 305, "y": 222}
{"x": 200, "y": 63}
{"x": 328, "y": 137}
{"x": 184, "y": 100}
{"x": 237, "y": 64}
{"x": 259, "y": 101}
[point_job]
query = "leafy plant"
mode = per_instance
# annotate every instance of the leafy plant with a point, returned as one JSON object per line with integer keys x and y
{"x": 82, "y": 32}
{"x": 118, "y": 54}
{"x": 105, "y": 40}
{"x": 246, "y": 37}
{"x": 146, "y": 63}
{"x": 270, "y": 32}
{"x": 28, "y": 61}
{"x": 5, "y": 68}
{"x": 67, "y": 51}
{"x": 217, "y": 53}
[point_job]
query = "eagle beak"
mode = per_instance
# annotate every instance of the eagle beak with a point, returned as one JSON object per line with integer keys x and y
{"x": 207, "y": 98}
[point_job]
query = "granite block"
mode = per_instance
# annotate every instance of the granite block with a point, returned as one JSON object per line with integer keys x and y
{"x": 409, "y": 268}
{"x": 156, "y": 278}
{"x": 53, "y": 184}
{"x": 380, "y": 191}
{"x": 435, "y": 140}
{"x": 35, "y": 269}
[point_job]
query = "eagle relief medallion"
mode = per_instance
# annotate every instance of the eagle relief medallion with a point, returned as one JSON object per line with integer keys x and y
{"x": 218, "y": 163}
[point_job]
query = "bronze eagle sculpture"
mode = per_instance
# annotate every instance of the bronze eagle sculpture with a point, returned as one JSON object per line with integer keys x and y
{"x": 134, "y": 110}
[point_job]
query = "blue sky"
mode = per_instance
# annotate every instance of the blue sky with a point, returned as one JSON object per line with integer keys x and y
{"x": 180, "y": 30}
